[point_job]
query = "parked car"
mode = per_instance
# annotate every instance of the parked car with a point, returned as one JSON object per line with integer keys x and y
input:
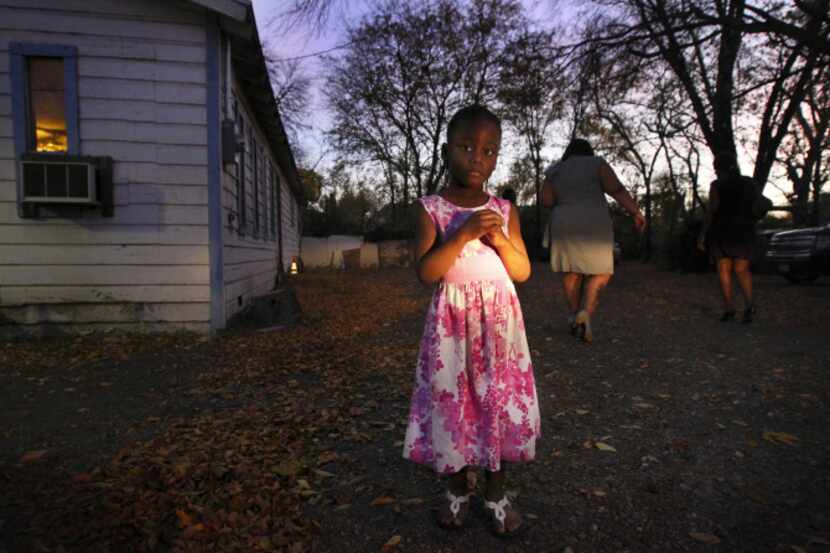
{"x": 801, "y": 255}
{"x": 760, "y": 263}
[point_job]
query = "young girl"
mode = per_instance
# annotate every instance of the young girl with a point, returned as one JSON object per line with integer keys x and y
{"x": 474, "y": 402}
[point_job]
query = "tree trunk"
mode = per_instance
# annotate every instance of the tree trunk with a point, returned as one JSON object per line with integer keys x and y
{"x": 722, "y": 113}
{"x": 391, "y": 180}
{"x": 647, "y": 233}
{"x": 817, "y": 186}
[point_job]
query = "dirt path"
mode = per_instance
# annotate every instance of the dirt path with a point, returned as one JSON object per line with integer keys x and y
{"x": 718, "y": 430}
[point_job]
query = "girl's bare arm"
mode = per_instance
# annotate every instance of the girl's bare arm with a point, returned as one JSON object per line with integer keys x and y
{"x": 512, "y": 249}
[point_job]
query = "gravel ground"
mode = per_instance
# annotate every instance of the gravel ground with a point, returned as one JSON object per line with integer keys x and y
{"x": 717, "y": 430}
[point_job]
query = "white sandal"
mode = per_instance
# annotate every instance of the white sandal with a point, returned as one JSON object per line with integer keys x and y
{"x": 455, "y": 508}
{"x": 499, "y": 509}
{"x": 583, "y": 322}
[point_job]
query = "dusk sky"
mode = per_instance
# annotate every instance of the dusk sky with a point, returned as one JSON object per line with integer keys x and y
{"x": 302, "y": 42}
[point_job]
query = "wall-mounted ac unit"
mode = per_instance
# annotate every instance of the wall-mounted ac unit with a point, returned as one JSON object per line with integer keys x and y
{"x": 59, "y": 182}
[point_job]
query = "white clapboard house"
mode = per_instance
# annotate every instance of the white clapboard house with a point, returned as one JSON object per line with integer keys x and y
{"x": 145, "y": 177}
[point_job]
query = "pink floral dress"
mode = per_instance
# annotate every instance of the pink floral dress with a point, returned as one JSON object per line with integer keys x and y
{"x": 475, "y": 397}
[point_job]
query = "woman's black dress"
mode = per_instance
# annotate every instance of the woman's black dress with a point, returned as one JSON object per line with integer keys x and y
{"x": 732, "y": 232}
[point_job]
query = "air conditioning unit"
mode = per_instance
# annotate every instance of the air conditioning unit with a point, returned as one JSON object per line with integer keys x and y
{"x": 59, "y": 182}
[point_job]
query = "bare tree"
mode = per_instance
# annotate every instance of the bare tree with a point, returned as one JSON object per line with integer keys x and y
{"x": 704, "y": 54}
{"x": 618, "y": 111}
{"x": 409, "y": 68}
{"x": 521, "y": 179}
{"x": 292, "y": 92}
{"x": 804, "y": 22}
{"x": 667, "y": 126}
{"x": 314, "y": 14}
{"x": 685, "y": 147}
{"x": 532, "y": 97}
{"x": 805, "y": 154}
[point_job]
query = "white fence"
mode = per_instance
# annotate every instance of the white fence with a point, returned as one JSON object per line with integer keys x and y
{"x": 351, "y": 252}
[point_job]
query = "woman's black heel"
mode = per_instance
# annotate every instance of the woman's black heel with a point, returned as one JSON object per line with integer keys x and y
{"x": 749, "y": 313}
{"x": 727, "y": 316}
{"x": 572, "y": 323}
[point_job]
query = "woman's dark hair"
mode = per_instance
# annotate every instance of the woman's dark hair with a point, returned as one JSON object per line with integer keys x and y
{"x": 726, "y": 164}
{"x": 578, "y": 147}
{"x": 471, "y": 113}
{"x": 509, "y": 194}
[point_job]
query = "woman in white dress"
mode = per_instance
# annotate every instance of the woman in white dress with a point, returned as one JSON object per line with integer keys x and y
{"x": 580, "y": 232}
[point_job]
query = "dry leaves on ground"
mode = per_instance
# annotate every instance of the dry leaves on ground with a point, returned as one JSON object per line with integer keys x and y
{"x": 237, "y": 479}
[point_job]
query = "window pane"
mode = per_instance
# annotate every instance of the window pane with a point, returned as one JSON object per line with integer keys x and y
{"x": 48, "y": 118}
{"x": 56, "y": 180}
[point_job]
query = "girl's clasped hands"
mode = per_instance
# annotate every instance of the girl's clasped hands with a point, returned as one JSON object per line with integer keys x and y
{"x": 487, "y": 225}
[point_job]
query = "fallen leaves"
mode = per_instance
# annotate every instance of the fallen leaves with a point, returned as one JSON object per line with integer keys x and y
{"x": 247, "y": 479}
{"x": 710, "y": 539}
{"x": 185, "y": 519}
{"x": 756, "y": 495}
{"x": 230, "y": 480}
{"x": 34, "y": 455}
{"x": 391, "y": 544}
{"x": 382, "y": 500}
{"x": 679, "y": 446}
{"x": 780, "y": 438}
{"x": 326, "y": 457}
{"x": 290, "y": 467}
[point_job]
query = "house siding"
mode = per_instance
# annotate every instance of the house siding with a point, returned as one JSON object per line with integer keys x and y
{"x": 250, "y": 250}
{"x": 142, "y": 100}
{"x": 291, "y": 213}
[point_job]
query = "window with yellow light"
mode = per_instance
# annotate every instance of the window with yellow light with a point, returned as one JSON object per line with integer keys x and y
{"x": 46, "y": 104}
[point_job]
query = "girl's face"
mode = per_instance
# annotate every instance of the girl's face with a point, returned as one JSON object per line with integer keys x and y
{"x": 472, "y": 150}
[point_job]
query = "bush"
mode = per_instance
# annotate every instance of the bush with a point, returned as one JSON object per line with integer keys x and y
{"x": 387, "y": 225}
{"x": 532, "y": 233}
{"x": 676, "y": 250}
